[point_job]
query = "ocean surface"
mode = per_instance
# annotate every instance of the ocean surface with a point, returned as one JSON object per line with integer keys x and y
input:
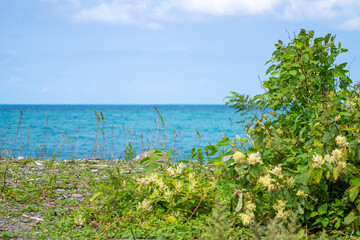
{"x": 73, "y": 131}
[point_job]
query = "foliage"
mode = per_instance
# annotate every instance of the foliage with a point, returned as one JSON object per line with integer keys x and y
{"x": 304, "y": 157}
{"x": 129, "y": 152}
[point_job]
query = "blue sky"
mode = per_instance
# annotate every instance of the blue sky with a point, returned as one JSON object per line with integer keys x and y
{"x": 155, "y": 51}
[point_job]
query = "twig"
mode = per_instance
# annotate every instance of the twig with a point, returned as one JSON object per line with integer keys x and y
{"x": 108, "y": 228}
{"x": 35, "y": 218}
{"x": 195, "y": 210}
{"x": 341, "y": 233}
{"x": 132, "y": 234}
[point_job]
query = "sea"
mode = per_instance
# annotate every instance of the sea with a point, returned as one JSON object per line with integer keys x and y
{"x": 112, "y": 131}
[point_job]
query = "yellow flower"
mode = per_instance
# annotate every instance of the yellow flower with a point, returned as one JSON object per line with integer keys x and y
{"x": 271, "y": 187}
{"x": 178, "y": 186}
{"x": 282, "y": 215}
{"x": 254, "y": 158}
{"x": 341, "y": 141}
{"x": 145, "y": 204}
{"x": 265, "y": 180}
{"x": 246, "y": 219}
{"x": 318, "y": 161}
{"x": 250, "y": 206}
{"x": 239, "y": 157}
{"x": 280, "y": 205}
{"x": 302, "y": 194}
{"x": 277, "y": 170}
{"x": 342, "y": 165}
{"x": 336, "y": 154}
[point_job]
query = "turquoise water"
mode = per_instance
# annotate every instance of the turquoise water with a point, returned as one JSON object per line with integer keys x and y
{"x": 71, "y": 129}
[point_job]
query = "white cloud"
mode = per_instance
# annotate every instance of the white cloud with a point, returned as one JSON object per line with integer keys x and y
{"x": 351, "y": 24}
{"x": 151, "y": 14}
{"x": 109, "y": 13}
{"x": 154, "y": 26}
{"x": 228, "y": 7}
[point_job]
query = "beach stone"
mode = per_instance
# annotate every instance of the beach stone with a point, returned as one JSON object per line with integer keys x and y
{"x": 143, "y": 155}
{"x": 76, "y": 195}
{"x": 148, "y": 154}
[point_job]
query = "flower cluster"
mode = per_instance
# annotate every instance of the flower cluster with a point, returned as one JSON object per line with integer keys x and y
{"x": 336, "y": 157}
{"x": 145, "y": 204}
{"x": 252, "y": 159}
{"x": 302, "y": 194}
{"x": 267, "y": 182}
{"x": 280, "y": 209}
{"x": 341, "y": 141}
{"x": 277, "y": 171}
{"x": 248, "y": 216}
{"x": 174, "y": 172}
{"x": 151, "y": 178}
{"x": 318, "y": 161}
{"x": 239, "y": 157}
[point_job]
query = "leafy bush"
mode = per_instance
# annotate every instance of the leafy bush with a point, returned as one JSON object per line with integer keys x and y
{"x": 304, "y": 157}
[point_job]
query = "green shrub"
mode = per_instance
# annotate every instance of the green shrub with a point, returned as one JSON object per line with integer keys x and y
{"x": 304, "y": 157}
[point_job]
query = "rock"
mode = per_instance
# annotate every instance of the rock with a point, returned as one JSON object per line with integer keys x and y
{"x": 143, "y": 155}
{"x": 76, "y": 195}
{"x": 38, "y": 163}
{"x": 149, "y": 153}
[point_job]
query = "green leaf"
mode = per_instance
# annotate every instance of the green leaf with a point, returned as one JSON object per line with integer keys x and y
{"x": 356, "y": 182}
{"x": 212, "y": 151}
{"x": 272, "y": 67}
{"x": 171, "y": 219}
{"x": 353, "y": 192}
{"x": 96, "y": 195}
{"x": 333, "y": 131}
{"x": 314, "y": 214}
{"x": 219, "y": 163}
{"x": 223, "y": 142}
{"x": 352, "y": 168}
{"x": 336, "y": 172}
{"x": 323, "y": 208}
{"x": 349, "y": 219}
{"x": 169, "y": 153}
{"x": 337, "y": 224}
{"x": 145, "y": 161}
{"x": 317, "y": 175}
{"x": 327, "y": 137}
{"x": 300, "y": 210}
{"x": 258, "y": 140}
{"x": 293, "y": 72}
